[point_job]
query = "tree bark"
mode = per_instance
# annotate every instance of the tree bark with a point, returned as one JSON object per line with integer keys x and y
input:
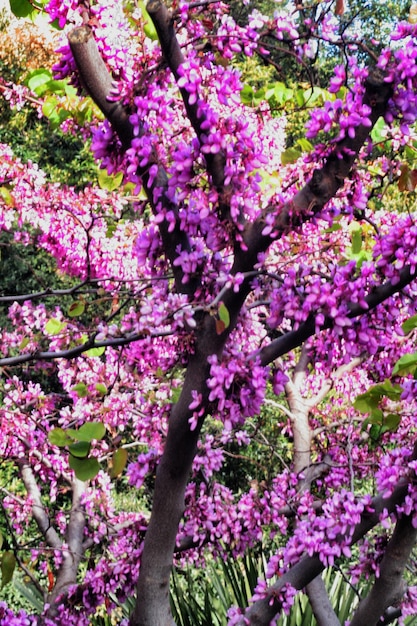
{"x": 389, "y": 588}
{"x": 263, "y": 611}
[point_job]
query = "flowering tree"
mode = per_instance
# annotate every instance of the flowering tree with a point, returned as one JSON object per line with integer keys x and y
{"x": 216, "y": 267}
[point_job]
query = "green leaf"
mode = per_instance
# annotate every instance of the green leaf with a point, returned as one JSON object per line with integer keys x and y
{"x": 80, "y": 449}
{"x": 25, "y": 341}
{"x": 61, "y": 87}
{"x": 6, "y": 196}
{"x": 282, "y": 93}
{"x": 175, "y": 394}
{"x": 90, "y": 431}
{"x": 392, "y": 421}
{"x": 305, "y": 144}
{"x": 38, "y": 79}
{"x": 315, "y": 96}
{"x": 366, "y": 403}
{"x": 1, "y": 540}
{"x": 375, "y": 432}
{"x": 95, "y": 351}
{"x": 224, "y": 315}
{"x": 81, "y": 389}
{"x": 290, "y": 155}
{"x": 85, "y": 469}
{"x": 376, "y": 417}
{"x": 21, "y": 8}
{"x": 101, "y": 389}
{"x": 54, "y": 326}
{"x": 49, "y": 107}
{"x": 409, "y": 324}
{"x": 356, "y": 236}
{"x": 111, "y": 229}
{"x": 118, "y": 462}
{"x": 377, "y": 133}
{"x": 300, "y": 97}
{"x": 148, "y": 26}
{"x": 110, "y": 182}
{"x": 246, "y": 94}
{"x": 59, "y": 437}
{"x": 8, "y": 565}
{"x": 259, "y": 96}
{"x": 389, "y": 390}
{"x": 77, "y": 308}
{"x": 405, "y": 365}
{"x": 333, "y": 228}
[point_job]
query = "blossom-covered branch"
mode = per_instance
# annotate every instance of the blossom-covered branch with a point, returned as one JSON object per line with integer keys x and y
{"x": 164, "y": 23}
{"x": 97, "y": 81}
{"x": 298, "y": 576}
{"x": 389, "y": 588}
{"x": 292, "y": 339}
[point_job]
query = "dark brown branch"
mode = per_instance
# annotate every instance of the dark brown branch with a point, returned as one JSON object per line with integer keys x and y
{"x": 389, "y": 588}
{"x": 171, "y": 50}
{"x": 323, "y": 185}
{"x": 72, "y": 353}
{"x": 263, "y": 611}
{"x": 98, "y": 83}
{"x": 37, "y": 295}
{"x": 295, "y": 338}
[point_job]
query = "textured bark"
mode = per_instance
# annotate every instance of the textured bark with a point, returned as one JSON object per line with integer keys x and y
{"x": 300, "y": 409}
{"x": 320, "y": 603}
{"x": 389, "y": 588}
{"x": 39, "y": 512}
{"x": 72, "y": 552}
{"x": 72, "y": 548}
{"x": 293, "y": 339}
{"x": 262, "y": 612}
{"x": 98, "y": 82}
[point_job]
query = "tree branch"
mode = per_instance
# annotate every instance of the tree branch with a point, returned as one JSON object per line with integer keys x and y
{"x": 37, "y": 295}
{"x": 73, "y": 552}
{"x": 38, "y": 510}
{"x": 320, "y": 603}
{"x": 263, "y": 611}
{"x": 323, "y": 185}
{"x": 389, "y": 588}
{"x": 98, "y": 83}
{"x": 164, "y": 24}
{"x": 72, "y": 353}
{"x": 293, "y": 339}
